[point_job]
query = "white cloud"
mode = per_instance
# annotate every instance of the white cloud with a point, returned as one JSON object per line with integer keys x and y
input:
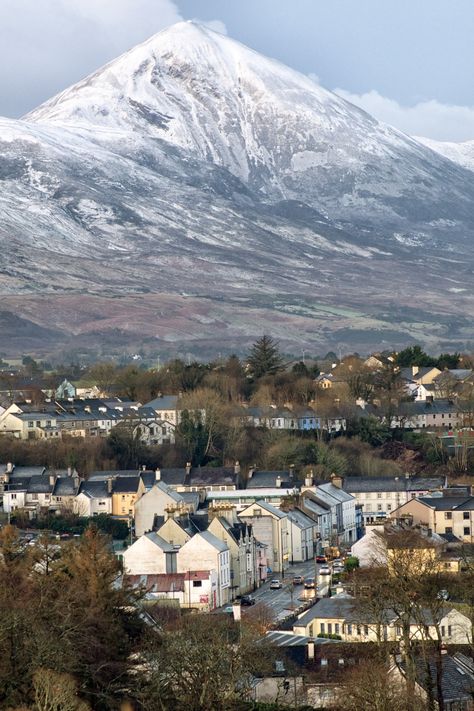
{"x": 432, "y": 119}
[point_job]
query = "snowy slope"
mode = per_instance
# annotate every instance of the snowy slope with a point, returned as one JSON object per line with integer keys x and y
{"x": 193, "y": 164}
{"x": 462, "y": 153}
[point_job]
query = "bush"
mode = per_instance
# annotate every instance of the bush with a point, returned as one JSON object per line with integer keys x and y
{"x": 327, "y": 635}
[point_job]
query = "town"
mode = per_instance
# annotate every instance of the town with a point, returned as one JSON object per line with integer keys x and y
{"x": 322, "y": 516}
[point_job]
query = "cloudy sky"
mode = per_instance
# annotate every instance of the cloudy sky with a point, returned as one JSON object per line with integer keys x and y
{"x": 408, "y": 62}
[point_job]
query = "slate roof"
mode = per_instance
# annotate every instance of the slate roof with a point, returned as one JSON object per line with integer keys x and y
{"x": 40, "y": 485}
{"x": 125, "y": 485}
{"x": 174, "y": 476}
{"x": 342, "y": 606}
{"x": 262, "y": 479}
{"x": 159, "y": 542}
{"x": 65, "y": 486}
{"x": 300, "y": 519}
{"x": 27, "y": 471}
{"x": 213, "y": 540}
{"x": 269, "y": 508}
{"x": 212, "y": 476}
{"x": 167, "y": 402}
{"x": 358, "y": 484}
{"x": 94, "y": 489}
{"x": 334, "y": 491}
{"x": 447, "y": 503}
{"x": 457, "y": 680}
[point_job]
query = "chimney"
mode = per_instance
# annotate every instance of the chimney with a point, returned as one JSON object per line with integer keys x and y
{"x": 188, "y": 468}
{"x": 278, "y": 482}
{"x": 143, "y": 468}
{"x": 69, "y": 471}
{"x": 310, "y": 650}
{"x": 237, "y": 467}
{"x": 251, "y": 471}
{"x": 292, "y": 471}
{"x": 407, "y": 475}
{"x": 157, "y": 474}
{"x": 52, "y": 479}
{"x": 9, "y": 467}
{"x": 414, "y": 369}
{"x": 337, "y": 480}
{"x": 309, "y": 479}
{"x": 110, "y": 483}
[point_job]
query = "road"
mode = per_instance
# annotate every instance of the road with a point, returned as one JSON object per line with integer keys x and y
{"x": 290, "y": 596}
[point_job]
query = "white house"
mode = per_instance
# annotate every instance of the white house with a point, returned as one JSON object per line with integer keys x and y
{"x": 204, "y": 551}
{"x": 94, "y": 497}
{"x": 149, "y": 555}
{"x": 270, "y": 527}
{"x": 155, "y": 502}
{"x": 302, "y": 531}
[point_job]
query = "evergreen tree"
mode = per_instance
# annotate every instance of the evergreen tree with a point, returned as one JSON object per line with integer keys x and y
{"x": 264, "y": 357}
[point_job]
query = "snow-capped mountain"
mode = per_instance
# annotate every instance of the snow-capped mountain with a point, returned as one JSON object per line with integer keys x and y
{"x": 462, "y": 153}
{"x": 193, "y": 188}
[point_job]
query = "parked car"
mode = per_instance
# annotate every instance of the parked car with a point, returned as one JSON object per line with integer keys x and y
{"x": 321, "y": 559}
{"x": 324, "y": 570}
{"x": 443, "y": 595}
{"x": 309, "y": 583}
{"x": 298, "y": 580}
{"x": 337, "y": 565}
{"x": 247, "y": 600}
{"x": 228, "y": 609}
{"x": 275, "y": 584}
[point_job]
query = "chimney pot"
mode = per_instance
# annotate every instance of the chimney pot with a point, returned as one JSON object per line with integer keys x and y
{"x": 278, "y": 481}
{"x": 9, "y": 467}
{"x": 110, "y": 483}
{"x": 157, "y": 474}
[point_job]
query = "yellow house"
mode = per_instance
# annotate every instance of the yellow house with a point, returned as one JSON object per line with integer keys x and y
{"x": 443, "y": 515}
{"x": 125, "y": 491}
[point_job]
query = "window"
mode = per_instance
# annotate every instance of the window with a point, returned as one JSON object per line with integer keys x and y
{"x": 311, "y": 631}
{"x": 337, "y": 628}
{"x": 31, "y": 424}
{"x": 448, "y": 529}
{"x": 379, "y": 496}
{"x": 449, "y": 630}
{"x": 359, "y": 630}
{"x": 322, "y": 628}
{"x": 329, "y": 627}
{"x": 197, "y": 583}
{"x": 38, "y": 423}
{"x": 443, "y": 631}
{"x": 257, "y": 512}
{"x": 399, "y": 631}
{"x": 123, "y": 497}
{"x": 13, "y": 496}
{"x": 366, "y": 630}
{"x": 448, "y": 514}
{"x": 349, "y": 629}
{"x": 467, "y": 530}
{"x": 465, "y": 515}
{"x": 379, "y": 507}
{"x": 389, "y": 507}
{"x": 34, "y": 497}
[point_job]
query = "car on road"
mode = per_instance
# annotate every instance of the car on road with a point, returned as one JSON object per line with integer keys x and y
{"x": 338, "y": 566}
{"x": 324, "y": 570}
{"x": 298, "y": 580}
{"x": 309, "y": 583}
{"x": 247, "y": 600}
{"x": 275, "y": 584}
{"x": 321, "y": 559}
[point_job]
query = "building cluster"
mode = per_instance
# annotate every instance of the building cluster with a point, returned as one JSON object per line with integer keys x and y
{"x": 234, "y": 529}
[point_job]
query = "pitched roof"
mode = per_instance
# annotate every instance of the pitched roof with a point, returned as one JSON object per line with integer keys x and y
{"x": 166, "y": 402}
{"x": 457, "y": 680}
{"x": 125, "y": 485}
{"x": 95, "y": 489}
{"x": 447, "y": 503}
{"x": 268, "y": 508}
{"x": 157, "y": 541}
{"x": 262, "y": 479}
{"x": 358, "y": 484}
{"x": 213, "y": 540}
{"x": 208, "y": 476}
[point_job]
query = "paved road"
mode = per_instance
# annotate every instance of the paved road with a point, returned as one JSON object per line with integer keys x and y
{"x": 290, "y": 596}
